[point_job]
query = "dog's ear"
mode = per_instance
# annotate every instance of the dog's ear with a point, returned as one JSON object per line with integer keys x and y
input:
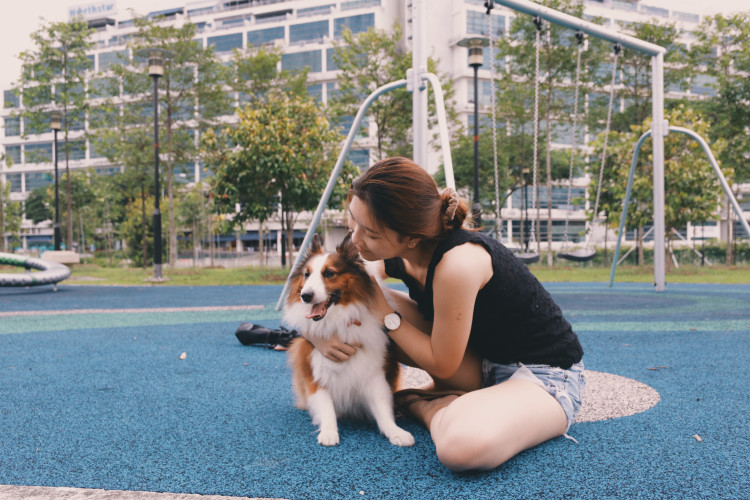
{"x": 316, "y": 245}
{"x": 347, "y": 248}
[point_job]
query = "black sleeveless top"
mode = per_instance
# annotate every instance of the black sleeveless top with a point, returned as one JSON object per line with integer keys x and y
{"x": 515, "y": 318}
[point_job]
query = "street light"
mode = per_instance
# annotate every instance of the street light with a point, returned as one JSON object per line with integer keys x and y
{"x": 476, "y": 57}
{"x": 55, "y": 121}
{"x": 156, "y": 58}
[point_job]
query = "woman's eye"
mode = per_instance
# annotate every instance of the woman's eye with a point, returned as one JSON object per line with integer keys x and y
{"x": 328, "y": 273}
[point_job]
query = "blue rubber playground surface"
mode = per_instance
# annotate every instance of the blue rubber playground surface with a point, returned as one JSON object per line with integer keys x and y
{"x": 94, "y": 394}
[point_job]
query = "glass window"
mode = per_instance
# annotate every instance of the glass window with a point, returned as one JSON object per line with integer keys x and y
{"x": 13, "y": 152}
{"x": 360, "y": 157}
{"x": 108, "y": 171}
{"x": 311, "y": 59}
{"x": 10, "y": 99}
{"x": 38, "y": 179}
{"x": 76, "y": 149}
{"x": 75, "y": 119}
{"x": 478, "y": 24}
{"x": 36, "y": 96}
{"x": 358, "y": 4}
{"x": 655, "y": 11}
{"x": 225, "y": 43}
{"x": 357, "y": 24}
{"x": 316, "y": 91}
{"x": 103, "y": 87}
{"x": 330, "y": 63}
{"x": 261, "y": 37}
{"x": 12, "y": 126}
{"x": 703, "y": 85}
{"x": 15, "y": 182}
{"x": 485, "y": 96}
{"x": 38, "y": 153}
{"x": 315, "y": 11}
{"x": 308, "y": 32}
{"x": 106, "y": 59}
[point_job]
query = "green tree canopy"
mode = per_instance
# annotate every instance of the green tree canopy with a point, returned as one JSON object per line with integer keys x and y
{"x": 280, "y": 151}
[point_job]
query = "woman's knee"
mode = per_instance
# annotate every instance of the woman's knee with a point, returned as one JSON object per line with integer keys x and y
{"x": 461, "y": 449}
{"x": 464, "y": 451}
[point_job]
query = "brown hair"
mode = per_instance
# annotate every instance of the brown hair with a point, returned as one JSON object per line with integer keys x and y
{"x": 401, "y": 195}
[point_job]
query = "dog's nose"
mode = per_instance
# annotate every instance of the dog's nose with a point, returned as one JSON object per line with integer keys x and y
{"x": 306, "y": 297}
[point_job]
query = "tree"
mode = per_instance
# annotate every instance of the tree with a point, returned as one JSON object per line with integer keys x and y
{"x": 366, "y": 62}
{"x": 636, "y": 78}
{"x": 693, "y": 191}
{"x": 722, "y": 53}
{"x": 281, "y": 150}
{"x": 37, "y": 206}
{"x": 192, "y": 98}
{"x": 10, "y": 215}
{"x": 53, "y": 76}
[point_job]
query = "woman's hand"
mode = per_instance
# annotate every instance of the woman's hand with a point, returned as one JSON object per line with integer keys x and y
{"x": 334, "y": 349}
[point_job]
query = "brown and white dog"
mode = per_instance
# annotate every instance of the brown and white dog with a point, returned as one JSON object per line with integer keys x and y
{"x": 329, "y": 295}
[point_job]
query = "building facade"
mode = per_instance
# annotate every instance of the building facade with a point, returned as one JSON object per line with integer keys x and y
{"x": 306, "y": 31}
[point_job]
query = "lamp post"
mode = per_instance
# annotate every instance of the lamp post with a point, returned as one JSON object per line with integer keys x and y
{"x": 476, "y": 56}
{"x": 156, "y": 59}
{"x": 55, "y": 121}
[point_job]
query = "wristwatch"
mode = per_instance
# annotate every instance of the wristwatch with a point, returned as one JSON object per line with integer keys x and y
{"x": 392, "y": 322}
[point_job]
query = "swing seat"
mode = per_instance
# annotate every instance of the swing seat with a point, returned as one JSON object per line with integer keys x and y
{"x": 528, "y": 257}
{"x": 580, "y": 255}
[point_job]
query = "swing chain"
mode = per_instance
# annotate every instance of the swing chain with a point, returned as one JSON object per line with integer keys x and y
{"x": 617, "y": 48}
{"x": 538, "y": 23}
{"x": 494, "y": 122}
{"x": 574, "y": 144}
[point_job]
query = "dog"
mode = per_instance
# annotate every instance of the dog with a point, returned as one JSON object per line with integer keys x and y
{"x": 329, "y": 295}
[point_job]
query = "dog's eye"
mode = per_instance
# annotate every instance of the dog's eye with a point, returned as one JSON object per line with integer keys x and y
{"x": 307, "y": 274}
{"x": 328, "y": 273}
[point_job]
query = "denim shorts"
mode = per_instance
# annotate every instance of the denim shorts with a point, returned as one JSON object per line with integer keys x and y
{"x": 566, "y": 386}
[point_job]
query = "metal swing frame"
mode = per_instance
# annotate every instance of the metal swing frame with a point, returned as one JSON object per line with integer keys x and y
{"x": 659, "y": 127}
{"x": 719, "y": 174}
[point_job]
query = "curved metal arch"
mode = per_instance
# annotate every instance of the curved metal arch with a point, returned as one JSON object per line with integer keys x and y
{"x": 714, "y": 165}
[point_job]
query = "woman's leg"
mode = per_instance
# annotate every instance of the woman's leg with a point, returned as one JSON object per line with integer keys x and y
{"x": 483, "y": 429}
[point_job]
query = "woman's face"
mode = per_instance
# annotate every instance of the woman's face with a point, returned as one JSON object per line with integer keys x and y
{"x": 372, "y": 239}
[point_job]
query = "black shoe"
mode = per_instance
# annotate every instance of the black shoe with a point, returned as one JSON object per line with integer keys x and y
{"x": 250, "y": 334}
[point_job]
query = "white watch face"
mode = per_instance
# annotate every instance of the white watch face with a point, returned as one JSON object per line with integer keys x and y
{"x": 392, "y": 321}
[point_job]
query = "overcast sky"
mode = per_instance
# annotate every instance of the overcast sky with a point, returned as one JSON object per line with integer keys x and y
{"x": 19, "y": 20}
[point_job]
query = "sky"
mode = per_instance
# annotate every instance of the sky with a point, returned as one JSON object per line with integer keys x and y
{"x": 18, "y": 21}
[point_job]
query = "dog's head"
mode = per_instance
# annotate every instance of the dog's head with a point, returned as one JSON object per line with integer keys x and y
{"x": 323, "y": 280}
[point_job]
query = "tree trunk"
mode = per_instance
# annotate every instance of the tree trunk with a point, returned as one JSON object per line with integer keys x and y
{"x": 172, "y": 230}
{"x": 68, "y": 202}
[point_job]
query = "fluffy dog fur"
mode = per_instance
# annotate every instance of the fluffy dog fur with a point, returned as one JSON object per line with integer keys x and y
{"x": 329, "y": 294}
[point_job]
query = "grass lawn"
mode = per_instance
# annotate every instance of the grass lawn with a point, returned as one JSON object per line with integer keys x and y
{"x": 90, "y": 274}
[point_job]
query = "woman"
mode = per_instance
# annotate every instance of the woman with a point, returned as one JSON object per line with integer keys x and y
{"x": 506, "y": 365}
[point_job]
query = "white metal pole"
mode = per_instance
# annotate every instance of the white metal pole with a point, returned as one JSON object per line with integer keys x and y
{"x": 419, "y": 93}
{"x": 658, "y": 131}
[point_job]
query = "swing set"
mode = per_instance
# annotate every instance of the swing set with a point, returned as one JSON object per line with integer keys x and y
{"x": 417, "y": 81}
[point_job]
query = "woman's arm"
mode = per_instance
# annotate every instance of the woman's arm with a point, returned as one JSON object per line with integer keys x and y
{"x": 461, "y": 273}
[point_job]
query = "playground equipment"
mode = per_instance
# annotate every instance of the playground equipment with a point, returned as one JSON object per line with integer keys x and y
{"x": 626, "y": 201}
{"x": 50, "y": 273}
{"x": 587, "y": 253}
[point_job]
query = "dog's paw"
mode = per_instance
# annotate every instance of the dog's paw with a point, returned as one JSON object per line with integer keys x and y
{"x": 401, "y": 437}
{"x": 328, "y": 438}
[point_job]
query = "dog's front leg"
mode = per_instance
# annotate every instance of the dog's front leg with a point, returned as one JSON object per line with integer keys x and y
{"x": 380, "y": 402}
{"x": 323, "y": 413}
